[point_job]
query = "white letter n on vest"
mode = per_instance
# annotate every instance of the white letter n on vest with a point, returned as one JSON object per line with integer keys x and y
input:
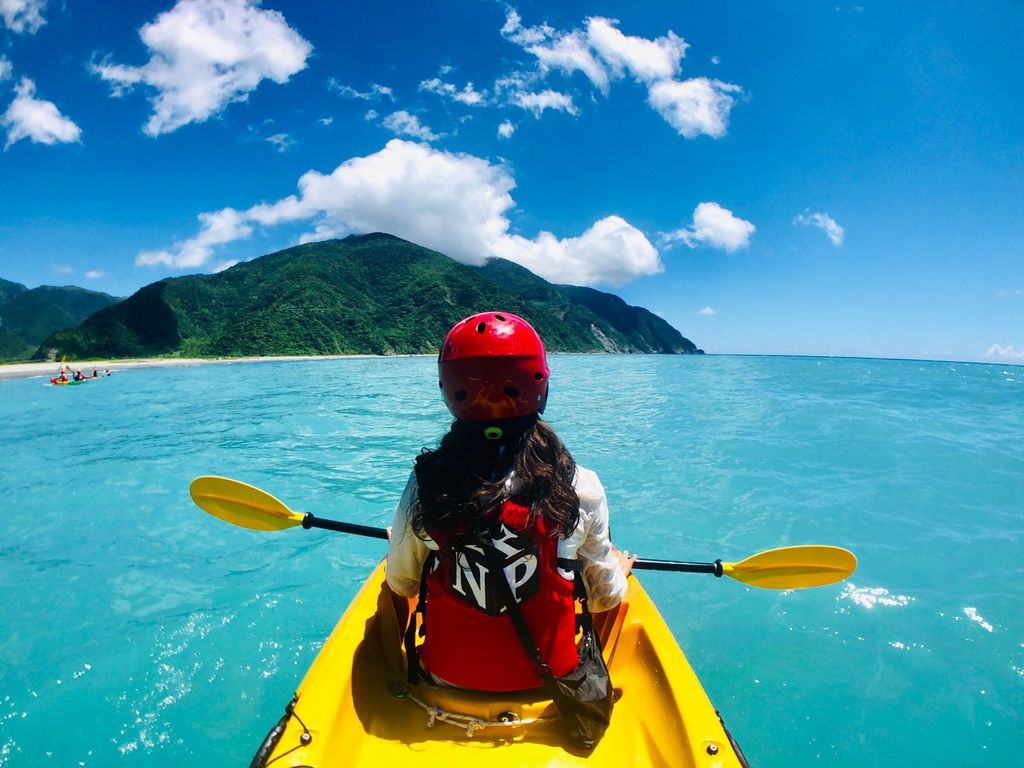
{"x": 470, "y": 576}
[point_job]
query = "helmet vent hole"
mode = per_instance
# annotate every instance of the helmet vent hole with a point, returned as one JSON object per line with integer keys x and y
{"x": 538, "y": 376}
{"x": 481, "y": 327}
{"x": 440, "y": 384}
{"x": 512, "y": 392}
{"x": 500, "y": 317}
{"x": 460, "y": 395}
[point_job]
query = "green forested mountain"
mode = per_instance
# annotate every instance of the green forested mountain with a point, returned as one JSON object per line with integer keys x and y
{"x": 372, "y": 294}
{"x": 27, "y": 316}
{"x": 8, "y": 290}
{"x": 13, "y": 348}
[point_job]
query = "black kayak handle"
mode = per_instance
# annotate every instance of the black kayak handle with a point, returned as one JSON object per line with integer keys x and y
{"x": 679, "y": 565}
{"x": 309, "y": 521}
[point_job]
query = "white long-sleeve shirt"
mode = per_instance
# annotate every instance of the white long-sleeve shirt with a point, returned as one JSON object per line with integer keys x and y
{"x": 589, "y": 542}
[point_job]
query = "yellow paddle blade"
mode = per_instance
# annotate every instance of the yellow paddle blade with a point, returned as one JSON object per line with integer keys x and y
{"x": 793, "y": 567}
{"x": 241, "y": 504}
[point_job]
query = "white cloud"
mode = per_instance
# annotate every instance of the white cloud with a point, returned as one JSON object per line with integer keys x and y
{"x": 1005, "y": 353}
{"x": 376, "y": 91}
{"x": 713, "y": 226}
{"x": 218, "y": 228}
{"x": 282, "y": 141}
{"x": 23, "y": 15}
{"x": 457, "y": 204}
{"x": 716, "y": 60}
{"x": 62, "y": 269}
{"x": 571, "y": 52}
{"x": 40, "y": 121}
{"x": 611, "y": 251}
{"x": 206, "y": 54}
{"x": 707, "y": 311}
{"x": 94, "y": 274}
{"x": 538, "y": 102}
{"x": 564, "y": 51}
{"x": 402, "y": 123}
{"x": 649, "y": 61}
{"x": 6, "y": 69}
{"x": 325, "y": 120}
{"x": 1010, "y": 293}
{"x": 695, "y": 106}
{"x": 467, "y": 95}
{"x": 519, "y": 89}
{"x": 325, "y": 230}
{"x": 515, "y": 32}
{"x": 825, "y": 223}
{"x": 506, "y": 129}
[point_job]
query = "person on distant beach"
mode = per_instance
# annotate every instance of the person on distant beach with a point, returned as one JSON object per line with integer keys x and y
{"x": 500, "y": 478}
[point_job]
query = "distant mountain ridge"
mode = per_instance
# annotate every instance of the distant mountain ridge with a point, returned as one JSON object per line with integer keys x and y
{"x": 29, "y": 315}
{"x": 369, "y": 294}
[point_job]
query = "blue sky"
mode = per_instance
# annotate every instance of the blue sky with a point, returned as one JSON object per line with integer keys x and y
{"x": 789, "y": 178}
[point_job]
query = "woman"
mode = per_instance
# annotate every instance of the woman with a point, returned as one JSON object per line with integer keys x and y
{"x": 500, "y": 480}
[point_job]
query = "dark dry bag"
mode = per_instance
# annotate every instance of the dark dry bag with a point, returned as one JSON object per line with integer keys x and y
{"x": 583, "y": 697}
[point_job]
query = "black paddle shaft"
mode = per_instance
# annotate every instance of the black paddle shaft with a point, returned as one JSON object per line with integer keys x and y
{"x": 309, "y": 521}
{"x": 714, "y": 568}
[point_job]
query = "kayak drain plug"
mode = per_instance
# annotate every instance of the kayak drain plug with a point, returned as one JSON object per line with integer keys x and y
{"x": 712, "y": 749}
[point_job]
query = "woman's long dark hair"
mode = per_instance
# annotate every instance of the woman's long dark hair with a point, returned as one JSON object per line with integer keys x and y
{"x": 461, "y": 483}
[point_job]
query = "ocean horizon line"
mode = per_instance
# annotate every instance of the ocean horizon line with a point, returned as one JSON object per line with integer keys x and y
{"x": 18, "y": 370}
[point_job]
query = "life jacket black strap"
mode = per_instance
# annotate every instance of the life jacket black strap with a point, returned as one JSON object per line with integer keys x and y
{"x": 413, "y": 670}
{"x": 518, "y": 620}
{"x": 579, "y": 589}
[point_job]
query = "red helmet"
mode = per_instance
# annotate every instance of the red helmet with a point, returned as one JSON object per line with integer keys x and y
{"x": 492, "y": 366}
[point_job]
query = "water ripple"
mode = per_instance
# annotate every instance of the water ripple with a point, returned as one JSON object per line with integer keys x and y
{"x": 177, "y": 639}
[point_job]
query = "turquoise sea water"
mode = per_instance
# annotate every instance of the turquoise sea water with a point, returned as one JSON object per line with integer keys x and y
{"x": 136, "y": 630}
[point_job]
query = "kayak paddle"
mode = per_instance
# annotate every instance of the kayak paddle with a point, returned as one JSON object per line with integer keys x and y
{"x": 246, "y": 506}
{"x": 809, "y": 565}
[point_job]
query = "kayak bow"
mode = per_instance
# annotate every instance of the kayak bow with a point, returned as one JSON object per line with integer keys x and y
{"x": 354, "y": 706}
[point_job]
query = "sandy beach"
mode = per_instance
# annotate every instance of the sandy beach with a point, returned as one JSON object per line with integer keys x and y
{"x": 28, "y": 370}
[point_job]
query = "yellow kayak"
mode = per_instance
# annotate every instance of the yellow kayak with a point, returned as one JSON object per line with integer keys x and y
{"x": 355, "y": 708}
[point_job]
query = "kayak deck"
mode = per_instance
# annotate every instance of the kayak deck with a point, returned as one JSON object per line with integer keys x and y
{"x": 354, "y": 706}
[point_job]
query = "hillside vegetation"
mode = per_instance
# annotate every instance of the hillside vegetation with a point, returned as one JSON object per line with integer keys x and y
{"x": 28, "y": 316}
{"x": 371, "y": 294}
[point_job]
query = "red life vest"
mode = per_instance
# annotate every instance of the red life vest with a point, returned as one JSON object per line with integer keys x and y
{"x": 470, "y": 641}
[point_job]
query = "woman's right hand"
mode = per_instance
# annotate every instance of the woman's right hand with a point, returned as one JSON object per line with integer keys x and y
{"x": 625, "y": 560}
